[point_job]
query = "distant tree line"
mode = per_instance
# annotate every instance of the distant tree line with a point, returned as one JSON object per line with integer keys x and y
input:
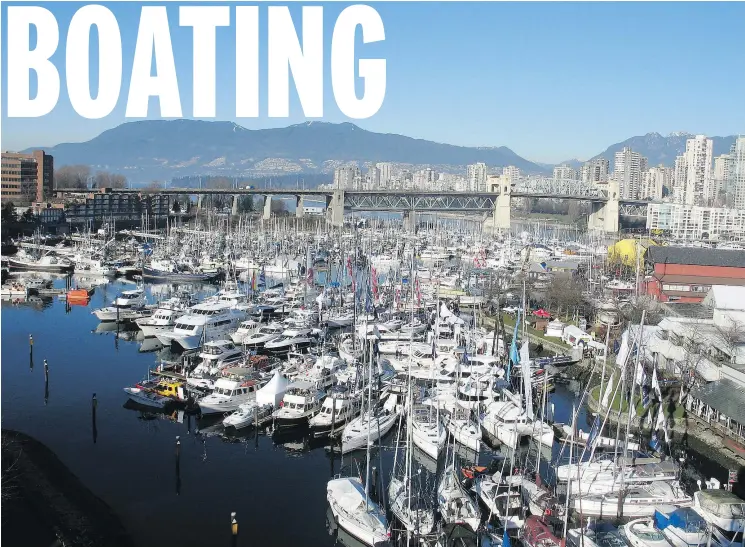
{"x": 80, "y": 176}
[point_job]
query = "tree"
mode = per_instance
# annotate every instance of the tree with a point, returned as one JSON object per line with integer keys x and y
{"x": 245, "y": 204}
{"x": 730, "y": 335}
{"x": 278, "y": 207}
{"x": 9, "y": 212}
{"x": 28, "y": 216}
{"x": 72, "y": 176}
{"x": 104, "y": 179}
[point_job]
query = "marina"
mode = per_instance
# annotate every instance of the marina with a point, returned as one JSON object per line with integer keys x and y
{"x": 362, "y": 386}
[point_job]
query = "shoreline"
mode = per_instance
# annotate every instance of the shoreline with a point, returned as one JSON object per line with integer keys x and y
{"x": 682, "y": 429}
{"x": 43, "y": 501}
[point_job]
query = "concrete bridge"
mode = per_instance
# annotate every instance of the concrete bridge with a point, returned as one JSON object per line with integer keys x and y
{"x": 495, "y": 206}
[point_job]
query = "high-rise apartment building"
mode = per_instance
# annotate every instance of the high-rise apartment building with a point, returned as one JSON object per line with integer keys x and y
{"x": 737, "y": 172}
{"x": 27, "y": 177}
{"x": 476, "y": 176}
{"x": 386, "y": 173}
{"x": 693, "y": 177}
{"x": 347, "y": 177}
{"x": 595, "y": 171}
{"x": 720, "y": 179}
{"x": 565, "y": 172}
{"x": 512, "y": 172}
{"x": 627, "y": 170}
{"x": 654, "y": 180}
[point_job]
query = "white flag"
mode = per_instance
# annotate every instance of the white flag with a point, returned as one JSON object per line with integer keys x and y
{"x": 656, "y": 384}
{"x": 608, "y": 390}
{"x": 525, "y": 363}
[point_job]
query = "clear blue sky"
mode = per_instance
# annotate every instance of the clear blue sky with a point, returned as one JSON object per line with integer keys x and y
{"x": 552, "y": 81}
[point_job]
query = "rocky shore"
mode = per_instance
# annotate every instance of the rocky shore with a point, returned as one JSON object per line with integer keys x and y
{"x": 45, "y": 504}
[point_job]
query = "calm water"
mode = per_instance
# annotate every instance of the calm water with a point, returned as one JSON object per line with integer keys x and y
{"x": 276, "y": 486}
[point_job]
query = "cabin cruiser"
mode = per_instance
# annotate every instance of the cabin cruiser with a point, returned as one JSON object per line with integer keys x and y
{"x": 643, "y": 533}
{"x": 723, "y": 509}
{"x": 127, "y": 306}
{"x": 301, "y": 401}
{"x": 604, "y": 475}
{"x": 681, "y": 526}
{"x": 162, "y": 320}
{"x": 248, "y": 414}
{"x": 339, "y": 407}
{"x": 267, "y": 333}
{"x": 323, "y": 373}
{"x": 203, "y": 323}
{"x": 227, "y": 395}
{"x": 290, "y": 339}
{"x": 216, "y": 355}
{"x": 246, "y": 327}
{"x": 507, "y": 422}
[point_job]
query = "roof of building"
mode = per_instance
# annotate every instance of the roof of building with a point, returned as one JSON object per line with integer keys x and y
{"x": 724, "y": 396}
{"x": 696, "y": 256}
{"x": 687, "y": 309}
{"x": 724, "y": 297}
{"x": 676, "y": 279}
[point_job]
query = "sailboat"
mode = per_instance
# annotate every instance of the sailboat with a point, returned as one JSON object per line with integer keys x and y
{"x": 350, "y": 501}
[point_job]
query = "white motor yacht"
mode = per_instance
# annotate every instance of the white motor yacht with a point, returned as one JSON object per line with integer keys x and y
{"x": 247, "y": 327}
{"x": 723, "y": 509}
{"x": 248, "y": 414}
{"x": 216, "y": 355}
{"x": 267, "y": 333}
{"x": 162, "y": 320}
{"x": 507, "y": 423}
{"x": 290, "y": 340}
{"x": 301, "y": 401}
{"x": 643, "y": 533}
{"x": 682, "y": 526}
{"x": 203, "y": 323}
{"x": 338, "y": 408}
{"x": 128, "y": 305}
{"x": 227, "y": 395}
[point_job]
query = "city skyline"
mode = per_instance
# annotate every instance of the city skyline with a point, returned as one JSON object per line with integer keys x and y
{"x": 518, "y": 93}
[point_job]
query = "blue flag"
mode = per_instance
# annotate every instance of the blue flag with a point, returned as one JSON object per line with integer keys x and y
{"x": 262, "y": 277}
{"x": 506, "y": 539}
{"x": 514, "y": 353}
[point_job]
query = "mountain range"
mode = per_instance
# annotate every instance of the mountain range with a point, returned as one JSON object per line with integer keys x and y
{"x": 179, "y": 147}
{"x": 663, "y": 150}
{"x": 163, "y": 149}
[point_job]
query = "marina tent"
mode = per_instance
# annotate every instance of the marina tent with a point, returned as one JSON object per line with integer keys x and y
{"x": 273, "y": 391}
{"x": 626, "y": 251}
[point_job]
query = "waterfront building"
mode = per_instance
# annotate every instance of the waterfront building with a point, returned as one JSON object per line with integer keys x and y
{"x": 694, "y": 223}
{"x": 686, "y": 274}
{"x": 720, "y": 182}
{"x": 102, "y": 207}
{"x": 27, "y": 177}
{"x": 627, "y": 170}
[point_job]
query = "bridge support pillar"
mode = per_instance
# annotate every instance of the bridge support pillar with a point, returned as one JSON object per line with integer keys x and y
{"x": 409, "y": 220}
{"x": 200, "y": 197}
{"x": 604, "y": 215}
{"x": 501, "y": 215}
{"x": 234, "y": 209}
{"x": 335, "y": 208}
{"x": 267, "y": 208}
{"x": 300, "y": 206}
